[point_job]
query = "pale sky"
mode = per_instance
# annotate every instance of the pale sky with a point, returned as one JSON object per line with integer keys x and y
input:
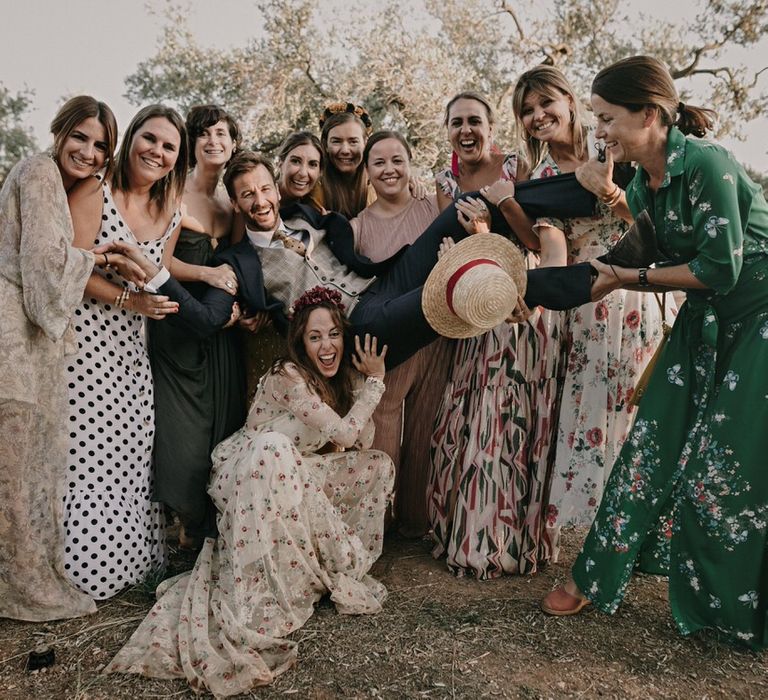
{"x": 69, "y": 47}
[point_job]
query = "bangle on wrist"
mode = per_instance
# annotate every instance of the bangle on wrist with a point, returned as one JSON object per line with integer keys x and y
{"x": 504, "y": 199}
{"x": 121, "y": 299}
{"x": 612, "y": 198}
{"x": 106, "y": 261}
{"x": 642, "y": 277}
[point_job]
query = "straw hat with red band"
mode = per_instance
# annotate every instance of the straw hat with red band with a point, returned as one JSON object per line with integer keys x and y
{"x": 474, "y": 286}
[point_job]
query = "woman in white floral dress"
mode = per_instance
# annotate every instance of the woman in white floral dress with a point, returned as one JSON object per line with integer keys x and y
{"x": 608, "y": 343}
{"x": 297, "y": 518}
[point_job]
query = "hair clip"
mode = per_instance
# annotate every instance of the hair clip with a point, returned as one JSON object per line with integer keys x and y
{"x": 342, "y": 107}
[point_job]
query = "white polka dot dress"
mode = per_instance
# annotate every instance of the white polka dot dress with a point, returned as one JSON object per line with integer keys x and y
{"x": 115, "y": 534}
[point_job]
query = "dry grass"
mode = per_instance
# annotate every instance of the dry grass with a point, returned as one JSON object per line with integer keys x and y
{"x": 438, "y": 637}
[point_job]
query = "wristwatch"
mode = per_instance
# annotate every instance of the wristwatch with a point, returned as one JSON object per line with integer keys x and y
{"x": 642, "y": 277}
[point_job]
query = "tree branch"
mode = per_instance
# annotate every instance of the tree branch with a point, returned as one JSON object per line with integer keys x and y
{"x": 308, "y": 73}
{"x": 716, "y": 72}
{"x": 505, "y": 8}
{"x": 692, "y": 67}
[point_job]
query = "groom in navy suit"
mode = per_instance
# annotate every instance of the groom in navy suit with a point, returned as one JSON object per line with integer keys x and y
{"x": 286, "y": 251}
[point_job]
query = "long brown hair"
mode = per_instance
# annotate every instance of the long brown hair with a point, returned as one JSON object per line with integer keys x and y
{"x": 345, "y": 194}
{"x": 336, "y": 391}
{"x": 169, "y": 189}
{"x": 77, "y": 110}
{"x": 550, "y": 82}
{"x": 643, "y": 81}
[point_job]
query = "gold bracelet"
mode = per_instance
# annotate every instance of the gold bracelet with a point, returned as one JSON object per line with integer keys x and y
{"x": 120, "y": 301}
{"x": 612, "y": 198}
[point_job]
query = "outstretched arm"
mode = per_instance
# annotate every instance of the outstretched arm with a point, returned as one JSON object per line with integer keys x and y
{"x": 660, "y": 279}
{"x": 201, "y": 317}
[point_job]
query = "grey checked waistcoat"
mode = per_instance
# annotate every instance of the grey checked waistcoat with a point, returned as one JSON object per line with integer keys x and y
{"x": 288, "y": 275}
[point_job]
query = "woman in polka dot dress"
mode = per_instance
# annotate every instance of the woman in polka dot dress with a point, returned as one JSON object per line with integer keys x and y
{"x": 114, "y": 532}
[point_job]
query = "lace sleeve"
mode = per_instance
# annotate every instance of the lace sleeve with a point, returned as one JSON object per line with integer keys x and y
{"x": 53, "y": 272}
{"x": 291, "y": 392}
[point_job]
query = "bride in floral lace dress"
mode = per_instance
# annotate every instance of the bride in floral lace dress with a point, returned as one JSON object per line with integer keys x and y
{"x": 299, "y": 517}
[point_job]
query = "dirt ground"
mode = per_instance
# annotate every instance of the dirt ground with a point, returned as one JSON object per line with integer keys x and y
{"x": 438, "y": 637}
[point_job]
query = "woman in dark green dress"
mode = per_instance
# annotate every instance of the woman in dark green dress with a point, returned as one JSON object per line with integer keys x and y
{"x": 688, "y": 496}
{"x": 199, "y": 384}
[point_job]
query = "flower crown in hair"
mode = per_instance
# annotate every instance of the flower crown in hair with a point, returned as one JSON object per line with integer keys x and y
{"x": 340, "y": 107}
{"x": 314, "y": 297}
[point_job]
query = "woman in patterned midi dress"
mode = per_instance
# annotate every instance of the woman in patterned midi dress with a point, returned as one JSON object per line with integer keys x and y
{"x": 492, "y": 441}
{"x": 42, "y": 278}
{"x": 114, "y": 532}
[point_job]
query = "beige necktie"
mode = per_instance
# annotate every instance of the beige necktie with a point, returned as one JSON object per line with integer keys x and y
{"x": 290, "y": 243}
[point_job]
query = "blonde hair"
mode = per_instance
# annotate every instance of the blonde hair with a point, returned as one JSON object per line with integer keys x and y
{"x": 549, "y": 82}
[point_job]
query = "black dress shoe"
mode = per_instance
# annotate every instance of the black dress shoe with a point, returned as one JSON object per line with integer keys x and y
{"x": 637, "y": 247}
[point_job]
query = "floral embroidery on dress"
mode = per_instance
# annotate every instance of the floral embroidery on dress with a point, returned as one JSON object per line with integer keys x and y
{"x": 687, "y": 496}
{"x": 609, "y": 344}
{"x": 293, "y": 526}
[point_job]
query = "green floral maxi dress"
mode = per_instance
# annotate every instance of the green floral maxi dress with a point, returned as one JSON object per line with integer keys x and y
{"x": 688, "y": 495}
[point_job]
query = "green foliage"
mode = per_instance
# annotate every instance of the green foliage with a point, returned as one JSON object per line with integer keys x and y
{"x": 404, "y": 60}
{"x": 16, "y": 140}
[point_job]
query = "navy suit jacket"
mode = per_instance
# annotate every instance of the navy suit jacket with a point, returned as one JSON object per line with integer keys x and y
{"x": 210, "y": 313}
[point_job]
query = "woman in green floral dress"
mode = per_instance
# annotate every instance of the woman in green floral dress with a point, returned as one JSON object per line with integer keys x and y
{"x": 688, "y": 496}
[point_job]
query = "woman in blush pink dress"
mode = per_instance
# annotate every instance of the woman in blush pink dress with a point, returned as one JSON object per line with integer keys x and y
{"x": 406, "y": 415}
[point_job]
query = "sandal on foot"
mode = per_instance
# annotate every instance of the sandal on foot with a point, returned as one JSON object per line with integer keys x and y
{"x": 561, "y": 603}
